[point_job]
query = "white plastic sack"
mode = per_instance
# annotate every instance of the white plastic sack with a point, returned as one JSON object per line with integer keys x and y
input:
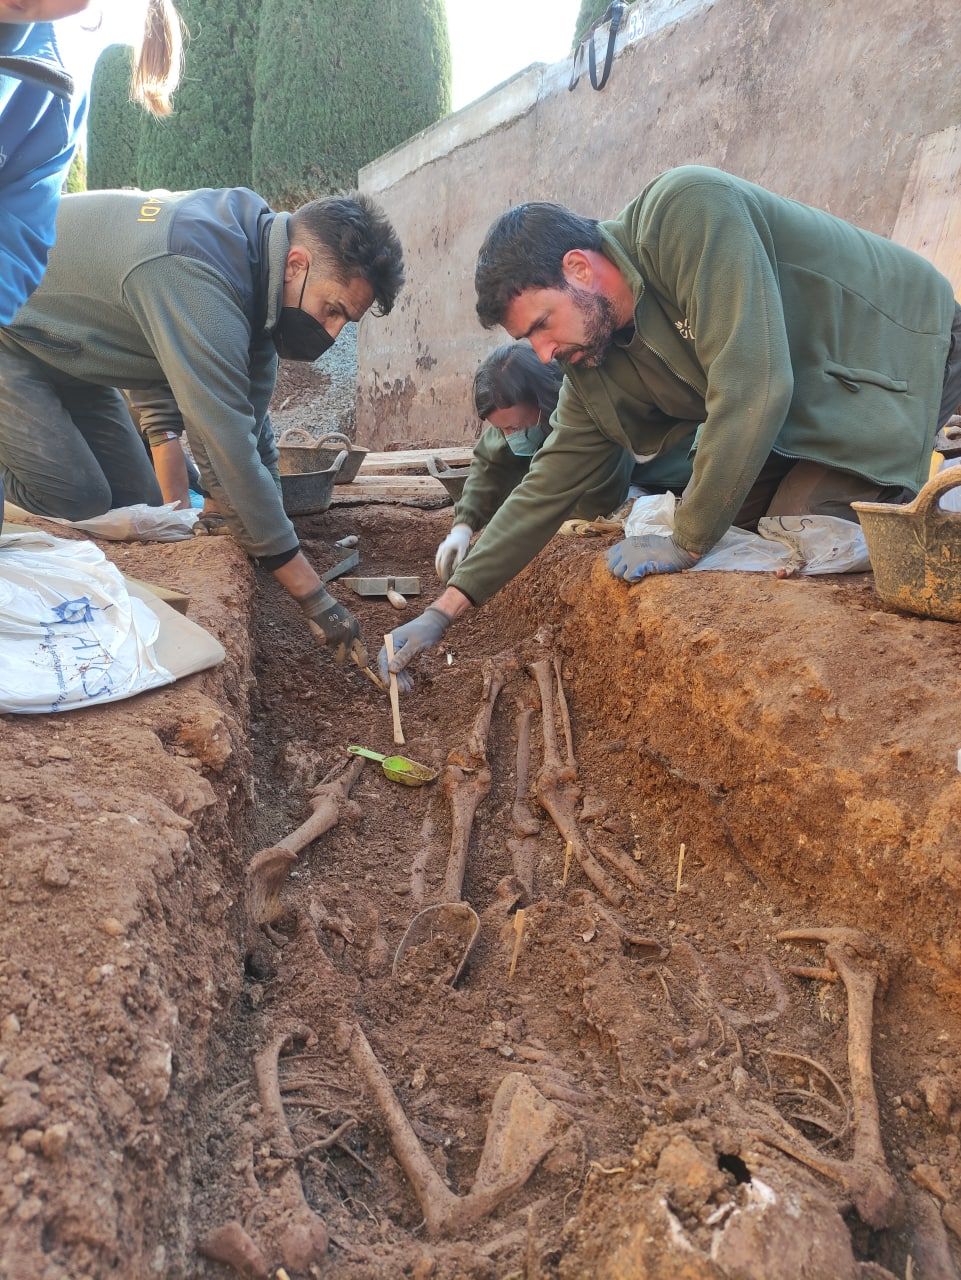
{"x": 138, "y": 523}
{"x": 798, "y": 544}
{"x": 70, "y": 634}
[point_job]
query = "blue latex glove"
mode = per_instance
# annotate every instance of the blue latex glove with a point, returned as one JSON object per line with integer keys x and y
{"x": 634, "y": 558}
{"x": 410, "y": 640}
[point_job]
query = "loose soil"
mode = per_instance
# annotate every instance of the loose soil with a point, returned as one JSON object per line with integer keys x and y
{"x": 796, "y": 738}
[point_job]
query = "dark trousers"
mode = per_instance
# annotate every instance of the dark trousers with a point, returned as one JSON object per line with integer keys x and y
{"x": 788, "y": 488}
{"x": 68, "y": 448}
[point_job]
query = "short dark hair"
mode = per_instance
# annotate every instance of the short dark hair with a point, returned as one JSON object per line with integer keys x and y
{"x": 512, "y": 374}
{"x": 524, "y": 249}
{"x": 357, "y": 239}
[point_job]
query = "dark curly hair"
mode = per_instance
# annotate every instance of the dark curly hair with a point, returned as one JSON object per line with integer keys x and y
{"x": 524, "y": 249}
{"x": 356, "y": 239}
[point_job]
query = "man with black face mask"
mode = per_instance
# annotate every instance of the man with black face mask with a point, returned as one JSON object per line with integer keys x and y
{"x": 186, "y": 299}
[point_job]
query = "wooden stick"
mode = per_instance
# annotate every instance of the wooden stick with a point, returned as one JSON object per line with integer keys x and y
{"x": 680, "y": 868}
{"x": 518, "y": 939}
{"x": 394, "y": 698}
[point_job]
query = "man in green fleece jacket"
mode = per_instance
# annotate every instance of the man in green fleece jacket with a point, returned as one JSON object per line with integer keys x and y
{"x": 187, "y": 299}
{"x": 818, "y": 358}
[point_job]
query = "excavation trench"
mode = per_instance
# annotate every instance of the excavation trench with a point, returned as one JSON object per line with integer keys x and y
{"x": 630, "y": 1078}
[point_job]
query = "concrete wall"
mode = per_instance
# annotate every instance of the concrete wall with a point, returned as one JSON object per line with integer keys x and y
{"x": 813, "y": 98}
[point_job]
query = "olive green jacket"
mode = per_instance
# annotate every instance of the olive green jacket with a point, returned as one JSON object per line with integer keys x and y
{"x": 495, "y": 472}
{"x": 775, "y": 326}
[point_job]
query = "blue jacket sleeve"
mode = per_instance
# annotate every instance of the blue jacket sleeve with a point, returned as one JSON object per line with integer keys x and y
{"x": 37, "y": 142}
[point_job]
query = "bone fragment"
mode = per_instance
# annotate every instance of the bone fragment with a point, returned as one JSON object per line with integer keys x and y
{"x": 565, "y": 715}
{"x": 231, "y": 1245}
{"x": 866, "y": 1176}
{"x": 303, "y": 1238}
{"x": 557, "y": 792}
{"x": 267, "y": 870}
{"x": 522, "y": 1129}
{"x": 466, "y": 783}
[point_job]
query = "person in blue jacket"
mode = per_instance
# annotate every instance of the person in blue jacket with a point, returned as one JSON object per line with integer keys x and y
{"x": 42, "y": 110}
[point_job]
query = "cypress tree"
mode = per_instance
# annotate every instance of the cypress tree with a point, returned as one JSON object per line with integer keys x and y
{"x": 76, "y": 179}
{"x": 338, "y": 83}
{"x": 206, "y": 142}
{"x": 113, "y": 130}
{"x": 589, "y": 13}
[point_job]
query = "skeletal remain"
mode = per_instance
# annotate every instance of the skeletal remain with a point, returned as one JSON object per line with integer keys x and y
{"x": 624, "y": 936}
{"x": 267, "y": 871}
{"x": 929, "y": 1240}
{"x": 523, "y": 846}
{"x": 565, "y": 715}
{"x": 464, "y": 791}
{"x": 303, "y": 1238}
{"x": 736, "y": 1018}
{"x": 496, "y": 671}
{"x": 467, "y": 781}
{"x": 557, "y": 791}
{"x": 524, "y": 822}
{"x": 866, "y": 1176}
{"x": 231, "y": 1245}
{"x": 512, "y": 1151}
{"x": 629, "y": 869}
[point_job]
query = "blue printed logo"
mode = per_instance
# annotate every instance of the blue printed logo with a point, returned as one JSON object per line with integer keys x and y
{"x": 74, "y": 611}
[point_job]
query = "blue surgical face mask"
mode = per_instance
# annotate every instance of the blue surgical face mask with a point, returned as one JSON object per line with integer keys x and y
{"x": 527, "y": 442}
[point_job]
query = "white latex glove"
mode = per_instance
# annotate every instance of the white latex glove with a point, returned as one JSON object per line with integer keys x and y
{"x": 452, "y": 550}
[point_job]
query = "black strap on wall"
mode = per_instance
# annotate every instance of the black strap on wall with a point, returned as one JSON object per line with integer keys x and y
{"x": 613, "y": 15}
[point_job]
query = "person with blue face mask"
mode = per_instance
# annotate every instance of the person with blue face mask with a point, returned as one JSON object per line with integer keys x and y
{"x": 515, "y": 394}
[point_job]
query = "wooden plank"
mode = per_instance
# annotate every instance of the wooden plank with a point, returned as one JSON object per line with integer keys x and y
{"x": 929, "y": 220}
{"x": 413, "y": 461}
{"x": 169, "y": 595}
{"x": 410, "y": 491}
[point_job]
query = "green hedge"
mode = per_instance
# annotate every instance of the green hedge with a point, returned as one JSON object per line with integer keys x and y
{"x": 589, "y": 13}
{"x": 206, "y": 142}
{"x": 113, "y": 129}
{"x": 339, "y": 82}
{"x": 76, "y": 179}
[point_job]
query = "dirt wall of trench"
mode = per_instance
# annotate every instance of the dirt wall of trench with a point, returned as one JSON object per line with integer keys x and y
{"x": 117, "y": 956}
{"x": 797, "y": 728}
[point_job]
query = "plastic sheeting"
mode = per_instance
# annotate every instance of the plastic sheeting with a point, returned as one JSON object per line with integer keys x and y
{"x": 70, "y": 633}
{"x": 794, "y": 544}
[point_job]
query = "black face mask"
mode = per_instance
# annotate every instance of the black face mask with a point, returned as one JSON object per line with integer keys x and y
{"x": 298, "y": 336}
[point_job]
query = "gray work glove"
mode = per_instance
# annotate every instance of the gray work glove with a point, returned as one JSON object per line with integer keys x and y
{"x": 337, "y": 626}
{"x": 410, "y": 640}
{"x": 452, "y": 551}
{"x": 210, "y": 522}
{"x": 635, "y": 558}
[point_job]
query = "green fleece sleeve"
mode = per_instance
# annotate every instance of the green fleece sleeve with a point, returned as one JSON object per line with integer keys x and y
{"x": 708, "y": 248}
{"x": 494, "y": 473}
{"x": 576, "y": 460}
{"x": 201, "y": 339}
